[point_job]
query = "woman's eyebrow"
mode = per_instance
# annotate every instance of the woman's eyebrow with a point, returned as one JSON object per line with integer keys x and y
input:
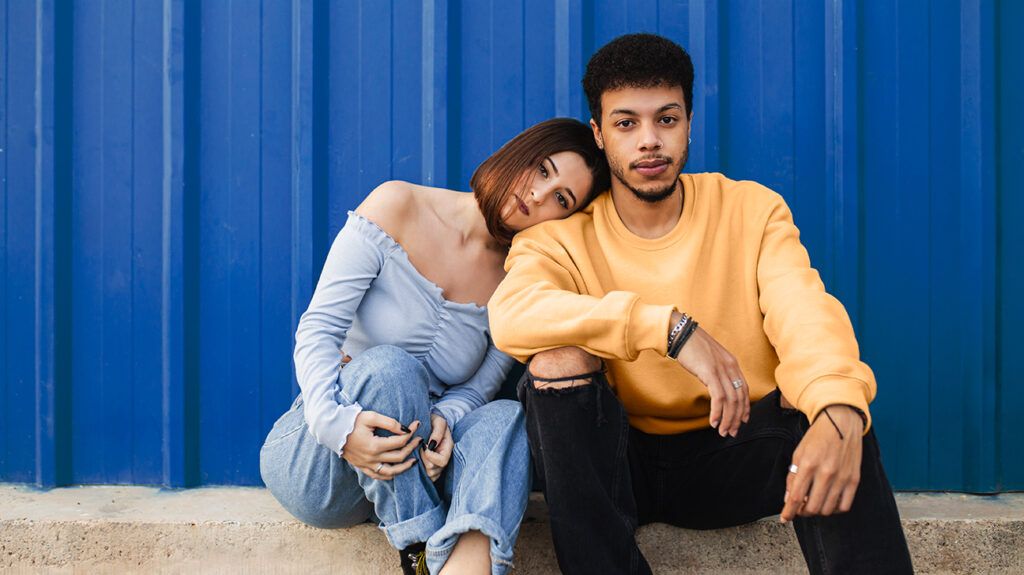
{"x": 555, "y": 169}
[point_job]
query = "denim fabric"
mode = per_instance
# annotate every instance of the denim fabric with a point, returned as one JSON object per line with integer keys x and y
{"x": 486, "y": 483}
{"x": 603, "y": 478}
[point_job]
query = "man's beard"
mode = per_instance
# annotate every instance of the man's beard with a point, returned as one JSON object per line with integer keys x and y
{"x": 649, "y": 196}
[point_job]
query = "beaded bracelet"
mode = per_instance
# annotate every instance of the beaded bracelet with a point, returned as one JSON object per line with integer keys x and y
{"x": 676, "y": 330}
{"x": 677, "y": 346}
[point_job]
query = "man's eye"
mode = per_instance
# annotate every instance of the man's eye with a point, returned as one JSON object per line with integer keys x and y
{"x": 668, "y": 120}
{"x": 625, "y": 123}
{"x": 561, "y": 200}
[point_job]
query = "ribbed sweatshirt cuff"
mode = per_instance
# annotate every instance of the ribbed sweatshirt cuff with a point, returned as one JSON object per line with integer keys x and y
{"x": 835, "y": 390}
{"x": 648, "y": 329}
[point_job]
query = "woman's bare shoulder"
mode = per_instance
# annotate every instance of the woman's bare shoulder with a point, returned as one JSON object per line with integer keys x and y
{"x": 399, "y": 207}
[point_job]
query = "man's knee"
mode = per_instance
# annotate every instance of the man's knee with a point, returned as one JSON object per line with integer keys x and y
{"x": 562, "y": 364}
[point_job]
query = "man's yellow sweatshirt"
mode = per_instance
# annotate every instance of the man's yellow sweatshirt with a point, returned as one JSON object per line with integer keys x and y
{"x": 734, "y": 262}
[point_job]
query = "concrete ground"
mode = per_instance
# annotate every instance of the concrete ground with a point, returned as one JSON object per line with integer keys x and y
{"x": 243, "y": 530}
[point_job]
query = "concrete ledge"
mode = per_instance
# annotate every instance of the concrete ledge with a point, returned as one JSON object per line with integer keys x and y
{"x": 218, "y": 530}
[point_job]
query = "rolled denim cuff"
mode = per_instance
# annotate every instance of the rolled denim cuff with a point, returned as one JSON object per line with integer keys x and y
{"x": 441, "y": 543}
{"x": 417, "y": 529}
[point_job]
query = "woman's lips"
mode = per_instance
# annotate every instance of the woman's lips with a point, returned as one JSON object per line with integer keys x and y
{"x": 522, "y": 206}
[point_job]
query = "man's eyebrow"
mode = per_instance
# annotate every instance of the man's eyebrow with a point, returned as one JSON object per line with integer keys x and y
{"x": 628, "y": 112}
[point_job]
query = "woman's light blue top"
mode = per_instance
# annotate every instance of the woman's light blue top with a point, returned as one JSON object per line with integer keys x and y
{"x": 370, "y": 294}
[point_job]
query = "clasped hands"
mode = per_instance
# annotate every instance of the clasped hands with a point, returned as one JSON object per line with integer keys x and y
{"x": 384, "y": 458}
{"x": 826, "y": 462}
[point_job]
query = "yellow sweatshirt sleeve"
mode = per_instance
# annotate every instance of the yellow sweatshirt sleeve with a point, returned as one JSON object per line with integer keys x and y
{"x": 819, "y": 359}
{"x": 539, "y": 307}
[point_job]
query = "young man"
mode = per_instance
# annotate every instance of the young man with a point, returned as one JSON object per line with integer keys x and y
{"x": 696, "y": 292}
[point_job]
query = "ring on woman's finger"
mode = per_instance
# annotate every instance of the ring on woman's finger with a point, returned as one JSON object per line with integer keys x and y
{"x": 379, "y": 467}
{"x": 793, "y": 468}
{"x": 737, "y": 383}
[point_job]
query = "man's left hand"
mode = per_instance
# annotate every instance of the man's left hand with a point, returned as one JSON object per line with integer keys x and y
{"x": 827, "y": 467}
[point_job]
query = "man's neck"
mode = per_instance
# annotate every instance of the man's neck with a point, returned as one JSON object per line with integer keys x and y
{"x": 646, "y": 219}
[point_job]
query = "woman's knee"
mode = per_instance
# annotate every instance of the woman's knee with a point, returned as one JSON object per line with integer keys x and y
{"x": 384, "y": 378}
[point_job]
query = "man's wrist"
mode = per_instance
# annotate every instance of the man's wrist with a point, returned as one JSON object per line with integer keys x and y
{"x": 841, "y": 409}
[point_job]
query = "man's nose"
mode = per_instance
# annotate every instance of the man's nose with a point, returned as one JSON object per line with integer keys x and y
{"x": 649, "y": 139}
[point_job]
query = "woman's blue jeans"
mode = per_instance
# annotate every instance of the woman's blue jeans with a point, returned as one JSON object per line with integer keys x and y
{"x": 486, "y": 483}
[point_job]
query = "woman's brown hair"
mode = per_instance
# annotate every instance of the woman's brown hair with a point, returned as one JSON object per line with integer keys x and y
{"x": 507, "y": 169}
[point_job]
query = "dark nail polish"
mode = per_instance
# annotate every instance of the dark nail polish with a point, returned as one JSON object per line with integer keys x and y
{"x": 406, "y": 429}
{"x": 432, "y": 445}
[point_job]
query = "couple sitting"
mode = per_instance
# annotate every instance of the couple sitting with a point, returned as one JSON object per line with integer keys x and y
{"x": 685, "y": 366}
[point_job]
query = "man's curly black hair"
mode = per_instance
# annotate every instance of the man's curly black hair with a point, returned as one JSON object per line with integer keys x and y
{"x": 637, "y": 61}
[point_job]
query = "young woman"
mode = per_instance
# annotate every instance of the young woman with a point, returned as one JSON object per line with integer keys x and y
{"x": 405, "y": 429}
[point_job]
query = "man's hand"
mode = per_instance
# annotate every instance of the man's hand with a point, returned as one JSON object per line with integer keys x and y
{"x": 438, "y": 451}
{"x": 380, "y": 457}
{"x": 716, "y": 368}
{"x": 827, "y": 467}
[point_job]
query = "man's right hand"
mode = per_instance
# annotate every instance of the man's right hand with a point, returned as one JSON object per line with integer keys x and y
{"x": 367, "y": 451}
{"x": 716, "y": 368}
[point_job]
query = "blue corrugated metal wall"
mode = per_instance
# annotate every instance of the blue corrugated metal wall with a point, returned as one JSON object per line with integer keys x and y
{"x": 173, "y": 172}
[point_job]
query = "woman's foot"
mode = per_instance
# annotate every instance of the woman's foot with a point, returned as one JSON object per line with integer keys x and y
{"x": 414, "y": 559}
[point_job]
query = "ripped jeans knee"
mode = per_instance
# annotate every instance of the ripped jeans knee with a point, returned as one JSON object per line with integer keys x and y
{"x": 533, "y": 389}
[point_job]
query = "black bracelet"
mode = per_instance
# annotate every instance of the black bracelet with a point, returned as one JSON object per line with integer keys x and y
{"x": 674, "y": 333}
{"x": 677, "y": 346}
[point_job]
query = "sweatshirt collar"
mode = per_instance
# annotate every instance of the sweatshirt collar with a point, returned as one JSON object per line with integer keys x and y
{"x": 606, "y": 207}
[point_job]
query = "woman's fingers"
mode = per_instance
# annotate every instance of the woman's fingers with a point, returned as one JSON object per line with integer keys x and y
{"x": 381, "y": 421}
{"x": 397, "y": 441}
{"x": 400, "y": 455}
{"x": 388, "y": 471}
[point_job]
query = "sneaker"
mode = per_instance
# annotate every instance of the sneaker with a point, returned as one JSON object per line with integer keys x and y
{"x": 414, "y": 559}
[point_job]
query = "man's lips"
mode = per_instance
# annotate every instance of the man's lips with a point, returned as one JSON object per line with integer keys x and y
{"x": 522, "y": 206}
{"x": 651, "y": 167}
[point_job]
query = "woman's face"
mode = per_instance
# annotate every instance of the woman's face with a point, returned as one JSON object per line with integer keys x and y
{"x": 561, "y": 182}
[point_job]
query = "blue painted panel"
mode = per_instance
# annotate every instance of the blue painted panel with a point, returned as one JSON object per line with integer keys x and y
{"x": 173, "y": 173}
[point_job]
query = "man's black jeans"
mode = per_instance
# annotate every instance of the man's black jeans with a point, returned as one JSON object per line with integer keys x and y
{"x": 603, "y": 478}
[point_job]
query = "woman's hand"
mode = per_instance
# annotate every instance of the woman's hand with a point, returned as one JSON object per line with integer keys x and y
{"x": 438, "y": 450}
{"x": 380, "y": 457}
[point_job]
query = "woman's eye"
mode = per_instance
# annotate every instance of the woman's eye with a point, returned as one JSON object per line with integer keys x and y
{"x": 561, "y": 200}
{"x": 543, "y": 171}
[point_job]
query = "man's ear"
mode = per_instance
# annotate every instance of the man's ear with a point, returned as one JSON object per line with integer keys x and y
{"x": 597, "y": 133}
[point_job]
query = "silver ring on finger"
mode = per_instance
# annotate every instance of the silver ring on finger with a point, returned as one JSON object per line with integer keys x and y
{"x": 793, "y": 468}
{"x": 737, "y": 383}
{"x": 379, "y": 467}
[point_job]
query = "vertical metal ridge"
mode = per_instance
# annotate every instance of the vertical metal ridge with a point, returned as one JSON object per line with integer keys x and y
{"x": 978, "y": 236}
{"x": 179, "y": 433}
{"x": 50, "y": 388}
{"x": 301, "y": 159}
{"x": 842, "y": 172}
{"x": 434, "y": 111}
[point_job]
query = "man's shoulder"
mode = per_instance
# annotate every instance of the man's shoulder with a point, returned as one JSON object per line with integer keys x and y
{"x": 563, "y": 231}
{"x": 749, "y": 190}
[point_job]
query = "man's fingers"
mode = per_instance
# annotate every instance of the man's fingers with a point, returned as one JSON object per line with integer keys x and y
{"x": 717, "y": 400}
{"x": 846, "y": 500}
{"x": 819, "y": 490}
{"x": 797, "y": 491}
{"x": 731, "y": 408}
{"x": 831, "y": 504}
